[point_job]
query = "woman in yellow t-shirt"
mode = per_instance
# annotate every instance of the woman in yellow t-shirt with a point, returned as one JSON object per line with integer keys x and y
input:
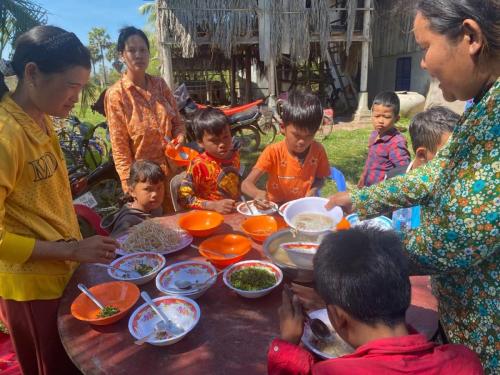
{"x": 40, "y": 242}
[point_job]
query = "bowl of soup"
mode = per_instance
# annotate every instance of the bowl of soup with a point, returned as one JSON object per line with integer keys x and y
{"x": 310, "y": 216}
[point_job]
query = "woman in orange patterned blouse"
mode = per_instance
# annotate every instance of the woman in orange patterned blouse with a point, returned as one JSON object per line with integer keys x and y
{"x": 141, "y": 111}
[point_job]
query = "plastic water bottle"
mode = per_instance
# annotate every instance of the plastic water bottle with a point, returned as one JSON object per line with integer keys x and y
{"x": 401, "y": 219}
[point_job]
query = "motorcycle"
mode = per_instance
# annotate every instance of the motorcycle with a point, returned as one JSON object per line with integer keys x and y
{"x": 95, "y": 184}
{"x": 246, "y": 120}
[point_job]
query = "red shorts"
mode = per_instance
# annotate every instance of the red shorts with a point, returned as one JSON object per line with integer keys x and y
{"x": 33, "y": 330}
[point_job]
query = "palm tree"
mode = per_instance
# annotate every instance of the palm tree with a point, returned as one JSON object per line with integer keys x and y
{"x": 149, "y": 9}
{"x": 100, "y": 40}
{"x": 18, "y": 16}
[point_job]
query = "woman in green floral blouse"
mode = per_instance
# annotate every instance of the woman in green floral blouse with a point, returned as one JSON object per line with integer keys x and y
{"x": 459, "y": 191}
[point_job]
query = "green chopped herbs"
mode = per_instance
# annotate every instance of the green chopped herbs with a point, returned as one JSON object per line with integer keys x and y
{"x": 108, "y": 311}
{"x": 143, "y": 269}
{"x": 252, "y": 278}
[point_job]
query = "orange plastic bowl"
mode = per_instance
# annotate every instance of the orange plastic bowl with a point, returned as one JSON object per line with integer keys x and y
{"x": 120, "y": 294}
{"x": 201, "y": 223}
{"x": 174, "y": 154}
{"x": 225, "y": 249}
{"x": 261, "y": 227}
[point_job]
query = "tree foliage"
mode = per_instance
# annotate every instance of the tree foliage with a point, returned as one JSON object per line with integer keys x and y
{"x": 18, "y": 16}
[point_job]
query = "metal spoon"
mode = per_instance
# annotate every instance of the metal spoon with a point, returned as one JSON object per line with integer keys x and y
{"x": 159, "y": 327}
{"x": 182, "y": 154}
{"x": 89, "y": 294}
{"x": 126, "y": 273}
{"x": 319, "y": 328}
{"x": 186, "y": 284}
{"x": 250, "y": 209}
{"x": 168, "y": 323}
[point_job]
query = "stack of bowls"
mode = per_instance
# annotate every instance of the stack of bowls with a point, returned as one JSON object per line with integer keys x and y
{"x": 189, "y": 279}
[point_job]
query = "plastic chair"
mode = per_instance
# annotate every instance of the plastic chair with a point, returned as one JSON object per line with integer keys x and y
{"x": 175, "y": 183}
{"x": 89, "y": 221}
{"x": 339, "y": 179}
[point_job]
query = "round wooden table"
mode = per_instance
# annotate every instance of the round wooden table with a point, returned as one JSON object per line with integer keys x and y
{"x": 232, "y": 336}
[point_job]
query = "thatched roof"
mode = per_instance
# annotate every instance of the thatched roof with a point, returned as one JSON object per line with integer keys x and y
{"x": 275, "y": 25}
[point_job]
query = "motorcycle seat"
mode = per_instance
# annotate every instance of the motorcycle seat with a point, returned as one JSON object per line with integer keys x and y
{"x": 244, "y": 116}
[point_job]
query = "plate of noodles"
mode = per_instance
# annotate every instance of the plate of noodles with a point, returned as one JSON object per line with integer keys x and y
{"x": 154, "y": 237}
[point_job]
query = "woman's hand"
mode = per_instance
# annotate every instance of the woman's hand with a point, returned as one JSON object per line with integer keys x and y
{"x": 340, "y": 199}
{"x": 291, "y": 317}
{"x": 308, "y": 297}
{"x": 95, "y": 249}
{"x": 179, "y": 141}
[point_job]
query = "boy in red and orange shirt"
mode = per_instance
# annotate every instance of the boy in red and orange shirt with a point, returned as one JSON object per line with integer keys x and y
{"x": 212, "y": 181}
{"x": 297, "y": 166}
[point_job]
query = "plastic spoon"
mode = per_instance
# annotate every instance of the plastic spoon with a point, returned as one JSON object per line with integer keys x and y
{"x": 168, "y": 323}
{"x": 214, "y": 253}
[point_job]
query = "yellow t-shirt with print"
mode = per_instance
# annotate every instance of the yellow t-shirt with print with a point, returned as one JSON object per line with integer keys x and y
{"x": 35, "y": 203}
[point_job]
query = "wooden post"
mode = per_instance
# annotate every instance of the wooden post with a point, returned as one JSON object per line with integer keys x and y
{"x": 167, "y": 67}
{"x": 265, "y": 52}
{"x": 271, "y": 78}
{"x": 233, "y": 80}
{"x": 248, "y": 74}
{"x": 362, "y": 112}
{"x": 365, "y": 48}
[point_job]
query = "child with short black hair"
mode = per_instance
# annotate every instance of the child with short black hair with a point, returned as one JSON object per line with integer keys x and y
{"x": 146, "y": 190}
{"x": 297, "y": 166}
{"x": 363, "y": 277}
{"x": 387, "y": 148}
{"x": 213, "y": 180}
{"x": 429, "y": 132}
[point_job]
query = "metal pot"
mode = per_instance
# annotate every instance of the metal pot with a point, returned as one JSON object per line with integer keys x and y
{"x": 280, "y": 258}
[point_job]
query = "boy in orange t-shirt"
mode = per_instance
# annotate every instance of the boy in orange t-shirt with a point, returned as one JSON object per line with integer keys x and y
{"x": 297, "y": 166}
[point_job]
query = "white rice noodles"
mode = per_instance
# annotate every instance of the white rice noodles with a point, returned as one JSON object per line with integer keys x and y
{"x": 150, "y": 236}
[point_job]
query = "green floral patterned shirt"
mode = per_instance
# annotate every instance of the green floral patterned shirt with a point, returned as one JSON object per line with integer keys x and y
{"x": 458, "y": 239}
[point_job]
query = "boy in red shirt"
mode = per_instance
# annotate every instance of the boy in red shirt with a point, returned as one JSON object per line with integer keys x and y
{"x": 387, "y": 148}
{"x": 212, "y": 181}
{"x": 362, "y": 275}
{"x": 297, "y": 166}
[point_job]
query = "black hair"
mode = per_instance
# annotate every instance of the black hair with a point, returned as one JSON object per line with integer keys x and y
{"x": 209, "y": 120}
{"x": 302, "y": 109}
{"x": 446, "y": 17}
{"x": 52, "y": 49}
{"x": 387, "y": 99}
{"x": 426, "y": 128}
{"x": 145, "y": 171}
{"x": 363, "y": 271}
{"x": 126, "y": 33}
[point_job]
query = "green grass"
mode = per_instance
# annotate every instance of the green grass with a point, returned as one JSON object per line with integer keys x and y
{"x": 88, "y": 116}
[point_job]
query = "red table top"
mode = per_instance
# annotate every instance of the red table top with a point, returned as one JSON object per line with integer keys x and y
{"x": 231, "y": 337}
